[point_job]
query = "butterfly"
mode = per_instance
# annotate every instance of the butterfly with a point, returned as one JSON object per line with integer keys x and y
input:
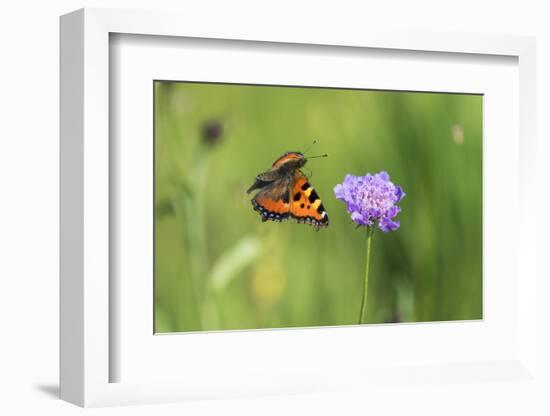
{"x": 285, "y": 192}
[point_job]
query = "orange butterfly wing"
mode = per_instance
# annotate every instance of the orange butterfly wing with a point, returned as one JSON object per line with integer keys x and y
{"x": 270, "y": 208}
{"x": 305, "y": 204}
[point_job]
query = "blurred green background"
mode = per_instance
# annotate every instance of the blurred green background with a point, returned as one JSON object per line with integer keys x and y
{"x": 217, "y": 266}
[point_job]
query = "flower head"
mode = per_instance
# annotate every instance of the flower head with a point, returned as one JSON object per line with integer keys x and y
{"x": 371, "y": 200}
{"x": 212, "y": 131}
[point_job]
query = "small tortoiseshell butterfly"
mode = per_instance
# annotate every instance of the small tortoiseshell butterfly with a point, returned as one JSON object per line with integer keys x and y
{"x": 286, "y": 193}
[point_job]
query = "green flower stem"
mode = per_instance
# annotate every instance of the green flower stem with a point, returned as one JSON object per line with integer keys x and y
{"x": 363, "y": 314}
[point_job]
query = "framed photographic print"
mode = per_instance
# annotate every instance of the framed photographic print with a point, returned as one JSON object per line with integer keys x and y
{"x": 219, "y": 265}
{"x": 266, "y": 213}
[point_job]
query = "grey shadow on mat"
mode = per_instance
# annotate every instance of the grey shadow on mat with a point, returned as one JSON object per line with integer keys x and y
{"x": 51, "y": 390}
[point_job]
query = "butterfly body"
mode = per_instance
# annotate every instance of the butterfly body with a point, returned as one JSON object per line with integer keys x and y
{"x": 285, "y": 192}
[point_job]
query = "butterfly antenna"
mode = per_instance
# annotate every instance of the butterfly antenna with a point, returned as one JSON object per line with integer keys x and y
{"x": 313, "y": 157}
{"x": 309, "y": 147}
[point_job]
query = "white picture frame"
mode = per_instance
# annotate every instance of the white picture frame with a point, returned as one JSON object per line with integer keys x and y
{"x": 86, "y": 165}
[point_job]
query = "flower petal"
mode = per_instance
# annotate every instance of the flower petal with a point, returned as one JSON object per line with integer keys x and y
{"x": 387, "y": 224}
{"x": 383, "y": 175}
{"x": 393, "y": 211}
{"x": 339, "y": 191}
{"x": 399, "y": 194}
{"x": 358, "y": 218}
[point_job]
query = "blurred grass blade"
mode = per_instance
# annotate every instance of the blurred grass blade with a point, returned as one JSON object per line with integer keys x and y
{"x": 243, "y": 253}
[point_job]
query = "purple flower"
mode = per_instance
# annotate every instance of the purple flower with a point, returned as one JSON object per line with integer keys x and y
{"x": 371, "y": 200}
